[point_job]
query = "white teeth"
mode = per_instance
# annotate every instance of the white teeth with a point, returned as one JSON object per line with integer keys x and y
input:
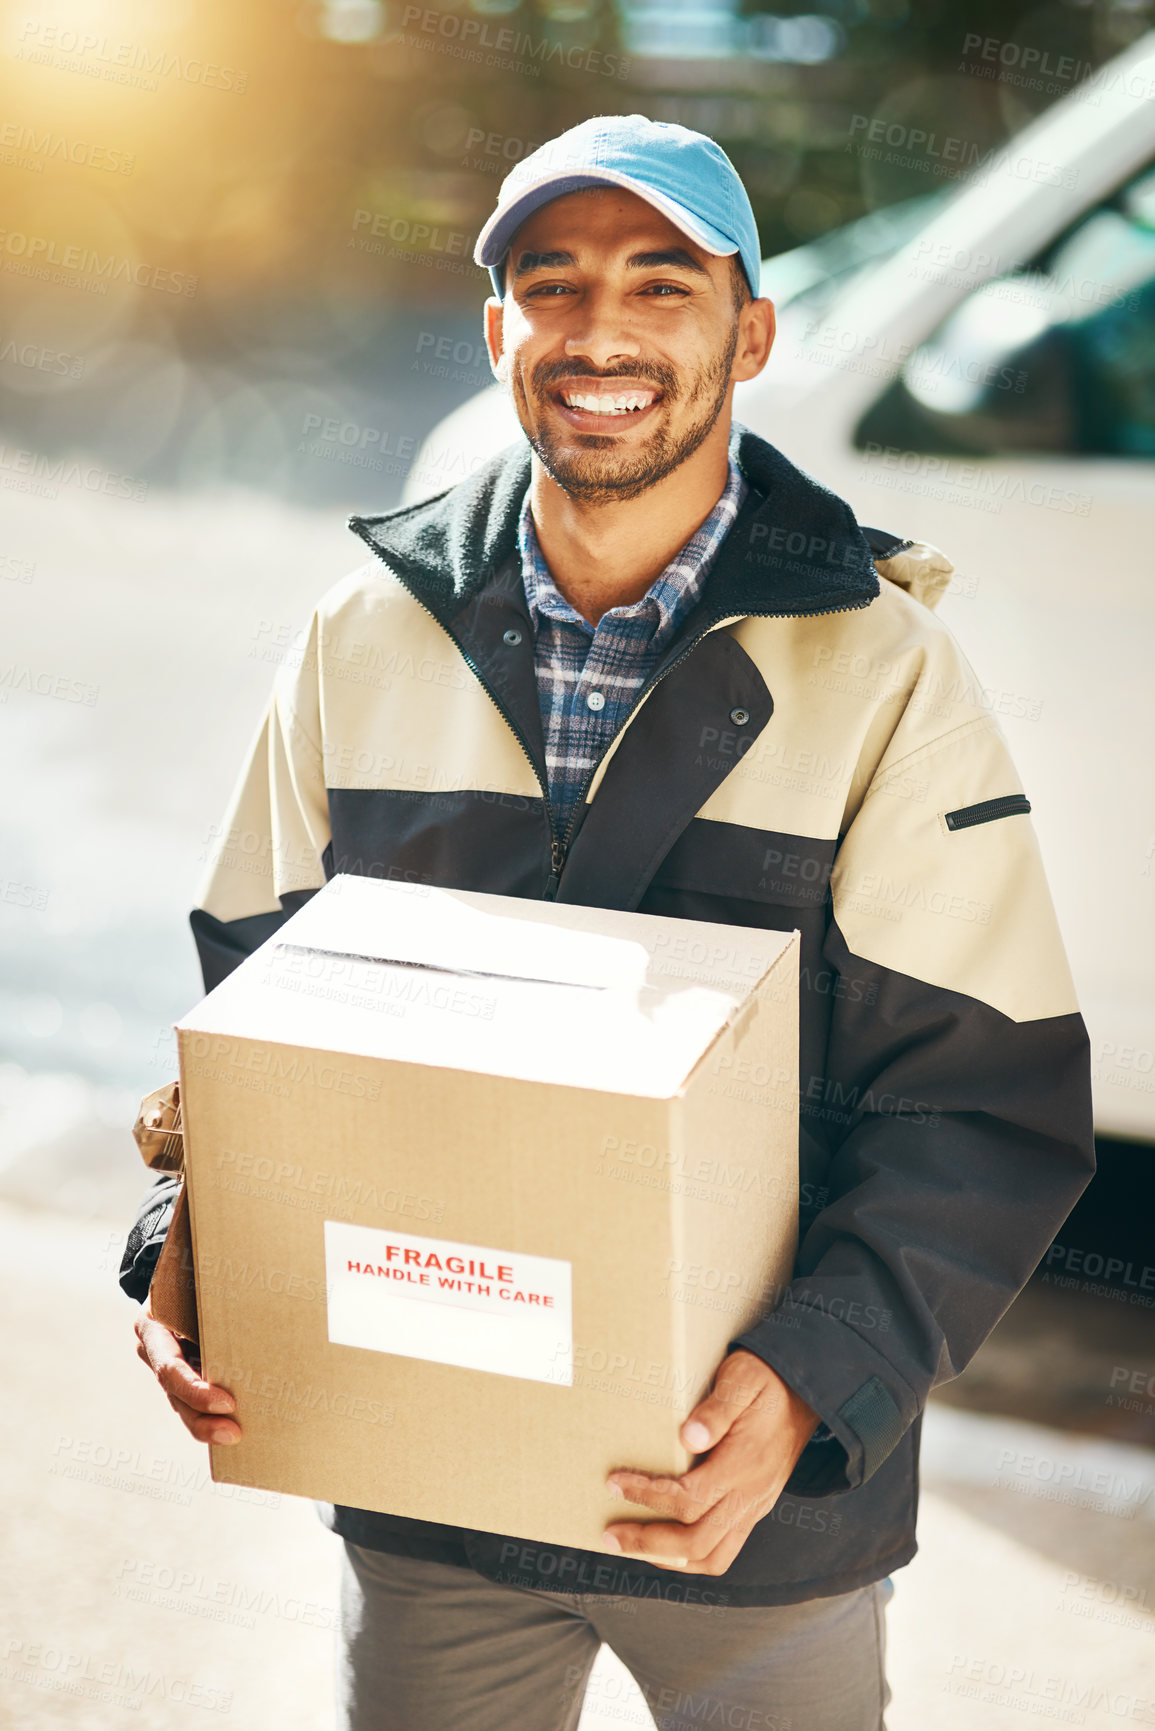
{"x": 609, "y": 405}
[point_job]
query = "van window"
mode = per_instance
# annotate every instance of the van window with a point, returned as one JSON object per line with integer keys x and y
{"x": 1056, "y": 357}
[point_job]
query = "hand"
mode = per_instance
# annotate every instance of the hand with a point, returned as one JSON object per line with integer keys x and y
{"x": 192, "y": 1398}
{"x": 751, "y": 1429}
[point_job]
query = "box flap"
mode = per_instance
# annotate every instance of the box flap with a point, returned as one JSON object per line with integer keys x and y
{"x": 440, "y": 929}
{"x": 538, "y": 991}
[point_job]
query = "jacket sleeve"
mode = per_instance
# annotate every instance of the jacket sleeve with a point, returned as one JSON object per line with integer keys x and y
{"x": 267, "y": 857}
{"x": 955, "y": 1098}
{"x": 147, "y": 1235}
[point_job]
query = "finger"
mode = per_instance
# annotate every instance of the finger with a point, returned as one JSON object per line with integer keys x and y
{"x": 720, "y": 1558}
{"x": 674, "y": 1545}
{"x": 729, "y": 1526}
{"x": 178, "y": 1378}
{"x": 670, "y": 1543}
{"x": 737, "y": 1458}
{"x": 205, "y": 1427}
{"x": 165, "y": 1351}
{"x": 684, "y": 1499}
{"x": 653, "y": 1542}
{"x": 162, "y": 1352}
{"x": 740, "y": 1381}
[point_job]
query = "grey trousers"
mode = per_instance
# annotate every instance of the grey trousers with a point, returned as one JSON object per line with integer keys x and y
{"x": 431, "y": 1647}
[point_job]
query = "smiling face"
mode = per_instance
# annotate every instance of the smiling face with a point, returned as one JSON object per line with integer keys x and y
{"x": 617, "y": 338}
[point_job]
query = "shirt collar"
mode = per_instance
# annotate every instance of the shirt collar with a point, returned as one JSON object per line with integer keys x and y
{"x": 672, "y": 593}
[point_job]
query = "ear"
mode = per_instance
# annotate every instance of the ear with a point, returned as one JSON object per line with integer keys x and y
{"x": 494, "y": 337}
{"x": 756, "y": 327}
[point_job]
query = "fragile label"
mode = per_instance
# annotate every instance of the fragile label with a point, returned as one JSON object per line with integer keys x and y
{"x": 462, "y": 1304}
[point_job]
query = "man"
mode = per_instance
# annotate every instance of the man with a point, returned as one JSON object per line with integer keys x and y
{"x": 617, "y": 687}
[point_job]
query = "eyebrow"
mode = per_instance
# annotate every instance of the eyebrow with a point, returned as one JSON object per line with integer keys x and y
{"x": 676, "y": 256}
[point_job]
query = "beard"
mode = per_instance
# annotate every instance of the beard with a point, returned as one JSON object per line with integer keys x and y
{"x": 600, "y": 472}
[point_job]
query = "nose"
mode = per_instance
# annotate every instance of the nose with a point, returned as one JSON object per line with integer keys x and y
{"x": 600, "y": 335}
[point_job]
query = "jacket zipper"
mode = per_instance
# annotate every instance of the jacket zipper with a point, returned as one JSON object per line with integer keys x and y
{"x": 559, "y": 845}
{"x": 558, "y": 855}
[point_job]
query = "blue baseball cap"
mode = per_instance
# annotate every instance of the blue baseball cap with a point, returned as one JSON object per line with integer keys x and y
{"x": 685, "y": 175}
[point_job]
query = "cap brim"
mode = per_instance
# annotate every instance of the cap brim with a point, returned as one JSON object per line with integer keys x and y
{"x": 494, "y": 240}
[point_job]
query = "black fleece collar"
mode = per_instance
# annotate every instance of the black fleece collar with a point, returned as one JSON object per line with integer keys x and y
{"x": 794, "y": 548}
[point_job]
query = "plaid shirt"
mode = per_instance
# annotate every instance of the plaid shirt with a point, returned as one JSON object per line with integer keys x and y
{"x": 587, "y": 677}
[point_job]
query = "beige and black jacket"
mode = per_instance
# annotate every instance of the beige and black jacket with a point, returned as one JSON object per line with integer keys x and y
{"x": 814, "y": 752}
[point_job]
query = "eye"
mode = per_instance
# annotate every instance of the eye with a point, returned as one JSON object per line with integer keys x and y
{"x": 665, "y": 290}
{"x": 552, "y": 289}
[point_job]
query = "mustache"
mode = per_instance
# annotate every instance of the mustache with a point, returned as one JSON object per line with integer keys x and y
{"x": 652, "y": 372}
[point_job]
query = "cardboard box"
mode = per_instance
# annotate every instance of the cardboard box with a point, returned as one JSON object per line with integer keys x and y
{"x": 480, "y": 1189}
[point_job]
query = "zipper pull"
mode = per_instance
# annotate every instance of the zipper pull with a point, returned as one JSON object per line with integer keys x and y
{"x": 556, "y": 862}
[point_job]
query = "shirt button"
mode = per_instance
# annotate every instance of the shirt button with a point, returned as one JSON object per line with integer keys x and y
{"x": 595, "y": 700}
{"x": 512, "y": 637}
{"x": 739, "y": 717}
